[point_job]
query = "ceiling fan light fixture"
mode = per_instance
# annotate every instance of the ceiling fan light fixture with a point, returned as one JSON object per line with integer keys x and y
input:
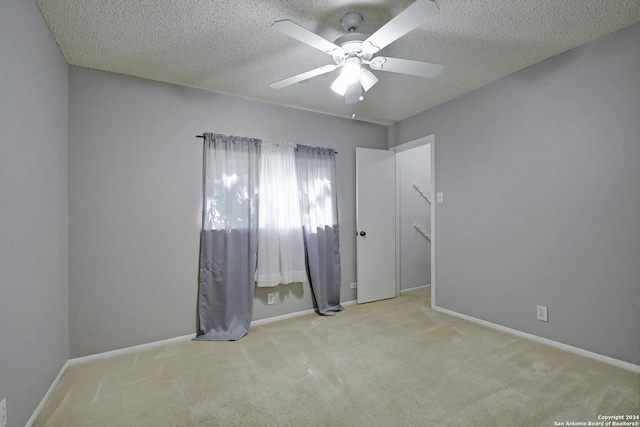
{"x": 367, "y": 79}
{"x": 340, "y": 85}
{"x": 351, "y": 70}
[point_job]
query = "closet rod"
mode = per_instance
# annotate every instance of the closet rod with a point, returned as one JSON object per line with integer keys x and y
{"x": 202, "y": 136}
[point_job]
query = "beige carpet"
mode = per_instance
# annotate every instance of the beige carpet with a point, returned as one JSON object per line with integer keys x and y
{"x": 389, "y": 363}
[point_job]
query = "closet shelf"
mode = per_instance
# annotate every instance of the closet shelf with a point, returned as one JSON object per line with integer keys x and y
{"x": 422, "y": 193}
{"x": 422, "y": 231}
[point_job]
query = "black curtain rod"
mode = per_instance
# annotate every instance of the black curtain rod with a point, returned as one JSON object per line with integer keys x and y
{"x": 202, "y": 136}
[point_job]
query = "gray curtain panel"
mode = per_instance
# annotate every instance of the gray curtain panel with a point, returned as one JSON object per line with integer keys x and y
{"x": 228, "y": 239}
{"x": 315, "y": 168}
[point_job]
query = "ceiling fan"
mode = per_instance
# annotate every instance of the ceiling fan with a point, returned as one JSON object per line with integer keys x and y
{"x": 354, "y": 50}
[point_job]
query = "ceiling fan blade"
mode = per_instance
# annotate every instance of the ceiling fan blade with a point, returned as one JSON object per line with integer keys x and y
{"x": 406, "y": 66}
{"x": 353, "y": 94}
{"x": 293, "y": 30}
{"x": 303, "y": 76}
{"x": 409, "y": 19}
{"x": 367, "y": 79}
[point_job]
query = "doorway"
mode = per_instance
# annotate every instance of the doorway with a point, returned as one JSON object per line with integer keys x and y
{"x": 413, "y": 218}
{"x": 383, "y": 186}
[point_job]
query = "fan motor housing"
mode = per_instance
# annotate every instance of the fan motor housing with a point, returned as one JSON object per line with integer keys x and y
{"x": 352, "y": 44}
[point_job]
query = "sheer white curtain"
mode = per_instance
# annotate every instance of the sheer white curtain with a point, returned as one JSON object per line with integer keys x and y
{"x": 280, "y": 242}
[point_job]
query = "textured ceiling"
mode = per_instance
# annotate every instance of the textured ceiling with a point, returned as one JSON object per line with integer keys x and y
{"x": 228, "y": 46}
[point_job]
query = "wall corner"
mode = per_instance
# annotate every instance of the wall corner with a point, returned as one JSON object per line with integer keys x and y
{"x": 391, "y": 136}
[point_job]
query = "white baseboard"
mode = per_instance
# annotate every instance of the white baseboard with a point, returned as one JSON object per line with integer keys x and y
{"x": 402, "y": 291}
{"x": 281, "y": 317}
{"x": 128, "y": 350}
{"x": 292, "y": 315}
{"x": 46, "y": 396}
{"x": 595, "y": 356}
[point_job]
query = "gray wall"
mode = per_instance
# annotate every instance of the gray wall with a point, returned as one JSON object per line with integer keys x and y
{"x": 34, "y": 340}
{"x": 134, "y": 201}
{"x": 414, "y": 167}
{"x": 541, "y": 178}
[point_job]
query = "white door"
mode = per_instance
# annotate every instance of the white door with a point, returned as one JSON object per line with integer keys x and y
{"x": 376, "y": 222}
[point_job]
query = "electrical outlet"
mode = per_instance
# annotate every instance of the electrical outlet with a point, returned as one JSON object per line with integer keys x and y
{"x": 271, "y": 298}
{"x": 3, "y": 413}
{"x": 353, "y": 285}
{"x": 440, "y": 197}
{"x": 542, "y": 313}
